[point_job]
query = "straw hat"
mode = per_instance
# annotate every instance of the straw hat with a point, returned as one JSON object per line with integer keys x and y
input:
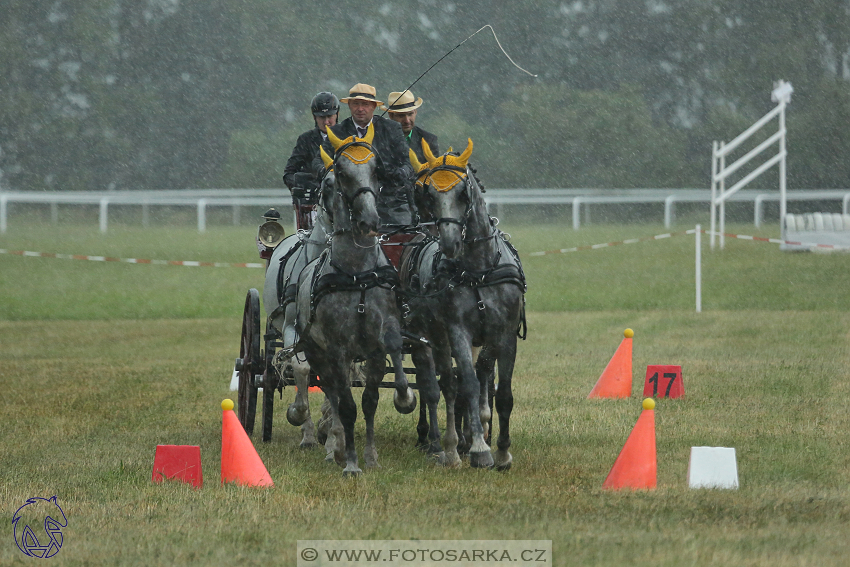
{"x": 402, "y": 102}
{"x": 362, "y": 91}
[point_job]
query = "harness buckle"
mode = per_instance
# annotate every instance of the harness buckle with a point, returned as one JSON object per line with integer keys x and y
{"x": 481, "y": 305}
{"x": 361, "y": 308}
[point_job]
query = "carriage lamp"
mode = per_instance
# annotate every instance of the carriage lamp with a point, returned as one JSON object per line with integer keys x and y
{"x": 270, "y": 234}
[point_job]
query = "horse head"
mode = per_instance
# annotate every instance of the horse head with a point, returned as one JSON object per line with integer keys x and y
{"x": 355, "y": 185}
{"x": 447, "y": 197}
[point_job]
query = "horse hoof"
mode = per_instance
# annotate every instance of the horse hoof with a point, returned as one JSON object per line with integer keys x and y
{"x": 439, "y": 458}
{"x": 322, "y": 437}
{"x": 351, "y": 472}
{"x": 404, "y": 406}
{"x": 294, "y": 417}
{"x": 503, "y": 460}
{"x": 483, "y": 460}
{"x": 307, "y": 445}
{"x": 451, "y": 460}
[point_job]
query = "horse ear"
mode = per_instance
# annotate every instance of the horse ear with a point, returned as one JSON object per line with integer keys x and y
{"x": 414, "y": 161}
{"x": 464, "y": 157}
{"x": 328, "y": 160}
{"x": 335, "y": 142}
{"x": 370, "y": 134}
{"x": 426, "y": 149}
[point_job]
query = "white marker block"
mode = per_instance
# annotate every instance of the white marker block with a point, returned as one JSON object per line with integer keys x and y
{"x": 713, "y": 467}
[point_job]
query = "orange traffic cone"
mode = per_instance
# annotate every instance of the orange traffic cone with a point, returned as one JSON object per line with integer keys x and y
{"x": 616, "y": 379}
{"x": 637, "y": 467}
{"x": 240, "y": 462}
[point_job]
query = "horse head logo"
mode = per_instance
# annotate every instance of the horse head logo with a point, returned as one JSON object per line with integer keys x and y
{"x": 37, "y": 511}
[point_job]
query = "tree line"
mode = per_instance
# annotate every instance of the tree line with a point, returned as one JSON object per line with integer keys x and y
{"x": 169, "y": 94}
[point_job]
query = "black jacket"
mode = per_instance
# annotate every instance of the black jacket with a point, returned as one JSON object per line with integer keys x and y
{"x": 388, "y": 141}
{"x": 415, "y": 141}
{"x": 302, "y": 159}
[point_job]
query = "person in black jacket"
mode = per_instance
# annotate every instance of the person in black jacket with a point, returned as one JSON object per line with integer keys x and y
{"x": 403, "y": 109}
{"x": 395, "y": 171}
{"x": 300, "y": 174}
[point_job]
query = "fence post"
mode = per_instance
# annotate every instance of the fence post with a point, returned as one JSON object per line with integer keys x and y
{"x": 669, "y": 210}
{"x": 104, "y": 214}
{"x": 713, "y": 192}
{"x": 3, "y": 200}
{"x": 698, "y": 258}
{"x": 202, "y": 215}
{"x": 757, "y": 209}
{"x": 576, "y": 213}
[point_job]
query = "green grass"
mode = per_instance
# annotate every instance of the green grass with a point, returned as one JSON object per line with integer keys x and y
{"x": 647, "y": 275}
{"x": 91, "y": 389}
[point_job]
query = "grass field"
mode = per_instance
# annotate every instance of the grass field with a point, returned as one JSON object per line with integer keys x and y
{"x": 100, "y": 362}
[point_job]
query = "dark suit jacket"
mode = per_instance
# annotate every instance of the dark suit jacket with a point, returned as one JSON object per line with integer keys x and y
{"x": 389, "y": 142}
{"x": 415, "y": 141}
{"x": 301, "y": 161}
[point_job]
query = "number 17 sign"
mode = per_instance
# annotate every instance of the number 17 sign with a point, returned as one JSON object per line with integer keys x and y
{"x": 663, "y": 381}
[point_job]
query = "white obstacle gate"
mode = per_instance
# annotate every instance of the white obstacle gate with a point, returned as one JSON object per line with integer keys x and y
{"x": 720, "y": 171}
{"x": 812, "y": 231}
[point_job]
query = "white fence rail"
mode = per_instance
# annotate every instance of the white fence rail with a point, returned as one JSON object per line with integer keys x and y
{"x": 578, "y": 199}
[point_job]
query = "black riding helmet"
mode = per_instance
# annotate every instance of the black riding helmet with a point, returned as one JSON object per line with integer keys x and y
{"x": 324, "y": 104}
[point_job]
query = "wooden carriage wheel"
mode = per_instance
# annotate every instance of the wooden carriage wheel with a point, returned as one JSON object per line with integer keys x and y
{"x": 249, "y": 362}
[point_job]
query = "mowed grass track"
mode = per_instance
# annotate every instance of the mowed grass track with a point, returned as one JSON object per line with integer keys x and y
{"x": 99, "y": 363}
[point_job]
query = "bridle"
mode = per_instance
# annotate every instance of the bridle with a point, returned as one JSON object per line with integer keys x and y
{"x": 349, "y": 201}
{"x": 463, "y": 176}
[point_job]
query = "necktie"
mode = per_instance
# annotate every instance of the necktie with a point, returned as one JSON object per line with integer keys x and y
{"x": 361, "y": 132}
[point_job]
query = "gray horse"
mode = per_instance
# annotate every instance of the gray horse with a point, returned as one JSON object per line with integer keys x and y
{"x": 466, "y": 289}
{"x": 289, "y": 258}
{"x": 346, "y": 304}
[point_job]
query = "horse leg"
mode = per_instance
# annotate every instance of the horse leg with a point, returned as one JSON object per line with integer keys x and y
{"x": 422, "y": 424}
{"x": 347, "y": 416}
{"x": 298, "y": 411}
{"x": 479, "y": 452}
{"x": 403, "y": 399}
{"x": 448, "y": 385}
{"x": 325, "y": 422}
{"x": 484, "y": 367}
{"x": 505, "y": 403}
{"x": 464, "y": 431}
{"x": 429, "y": 396}
{"x": 374, "y": 374}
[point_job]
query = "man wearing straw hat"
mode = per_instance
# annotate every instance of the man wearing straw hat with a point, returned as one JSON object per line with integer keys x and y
{"x": 403, "y": 109}
{"x": 389, "y": 141}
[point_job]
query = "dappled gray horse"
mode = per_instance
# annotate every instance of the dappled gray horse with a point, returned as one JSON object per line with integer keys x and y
{"x": 289, "y": 258}
{"x": 346, "y": 303}
{"x": 467, "y": 289}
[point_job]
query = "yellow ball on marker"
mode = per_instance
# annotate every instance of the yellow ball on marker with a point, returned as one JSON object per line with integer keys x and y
{"x": 628, "y": 333}
{"x": 227, "y": 405}
{"x": 648, "y": 403}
